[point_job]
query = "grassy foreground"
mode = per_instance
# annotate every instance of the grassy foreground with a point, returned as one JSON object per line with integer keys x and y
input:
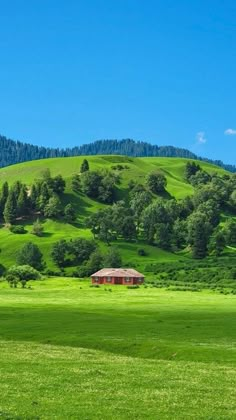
{"x": 71, "y": 351}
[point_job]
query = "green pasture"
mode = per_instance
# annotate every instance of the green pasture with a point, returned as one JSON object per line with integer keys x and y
{"x": 72, "y": 351}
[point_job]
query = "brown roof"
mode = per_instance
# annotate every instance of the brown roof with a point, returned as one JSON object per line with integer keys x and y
{"x": 117, "y": 272}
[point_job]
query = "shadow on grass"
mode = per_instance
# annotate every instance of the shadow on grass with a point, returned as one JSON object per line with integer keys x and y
{"x": 134, "y": 331}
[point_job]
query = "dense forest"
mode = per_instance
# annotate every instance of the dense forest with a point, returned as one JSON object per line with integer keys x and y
{"x": 13, "y": 152}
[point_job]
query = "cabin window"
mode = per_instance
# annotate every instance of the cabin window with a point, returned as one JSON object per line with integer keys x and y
{"x": 108, "y": 279}
{"x": 96, "y": 279}
{"x": 140, "y": 279}
{"x": 127, "y": 279}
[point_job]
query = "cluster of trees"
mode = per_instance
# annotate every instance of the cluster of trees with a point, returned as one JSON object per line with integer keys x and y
{"x": 99, "y": 185}
{"x": 84, "y": 254}
{"x": 81, "y": 253}
{"x": 15, "y": 152}
{"x": 43, "y": 197}
{"x": 193, "y": 222}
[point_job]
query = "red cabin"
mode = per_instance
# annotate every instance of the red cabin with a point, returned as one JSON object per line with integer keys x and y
{"x": 125, "y": 276}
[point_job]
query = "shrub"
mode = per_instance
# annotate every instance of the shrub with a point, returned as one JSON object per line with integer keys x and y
{"x": 18, "y": 229}
{"x": 133, "y": 286}
{"x": 23, "y": 272}
{"x": 142, "y": 252}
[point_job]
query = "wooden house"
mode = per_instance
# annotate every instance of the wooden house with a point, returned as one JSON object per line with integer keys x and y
{"x": 125, "y": 276}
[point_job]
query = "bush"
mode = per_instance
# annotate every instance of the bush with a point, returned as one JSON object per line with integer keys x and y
{"x": 142, "y": 252}
{"x": 23, "y": 272}
{"x": 18, "y": 229}
{"x": 133, "y": 286}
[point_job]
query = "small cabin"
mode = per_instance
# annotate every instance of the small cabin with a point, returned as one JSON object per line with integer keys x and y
{"x": 124, "y": 276}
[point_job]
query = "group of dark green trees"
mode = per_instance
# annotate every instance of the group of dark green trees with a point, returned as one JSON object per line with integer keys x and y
{"x": 44, "y": 197}
{"x": 193, "y": 222}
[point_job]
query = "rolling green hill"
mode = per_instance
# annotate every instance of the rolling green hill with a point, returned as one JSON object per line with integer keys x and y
{"x": 137, "y": 169}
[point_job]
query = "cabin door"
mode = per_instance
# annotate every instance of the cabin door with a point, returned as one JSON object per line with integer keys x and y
{"x": 118, "y": 280}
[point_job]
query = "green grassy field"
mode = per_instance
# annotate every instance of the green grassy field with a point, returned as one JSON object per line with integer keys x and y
{"x": 71, "y": 351}
{"x": 138, "y": 168}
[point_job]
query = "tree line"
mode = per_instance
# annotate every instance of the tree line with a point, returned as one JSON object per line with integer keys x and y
{"x": 13, "y": 152}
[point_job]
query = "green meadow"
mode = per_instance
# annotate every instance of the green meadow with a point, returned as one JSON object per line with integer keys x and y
{"x": 72, "y": 351}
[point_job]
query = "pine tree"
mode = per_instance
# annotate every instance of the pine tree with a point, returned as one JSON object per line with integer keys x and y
{"x": 22, "y": 202}
{"x": 33, "y": 196}
{"x": 10, "y": 208}
{"x": 44, "y": 197}
{"x": 3, "y": 196}
{"x": 53, "y": 208}
{"x": 85, "y": 166}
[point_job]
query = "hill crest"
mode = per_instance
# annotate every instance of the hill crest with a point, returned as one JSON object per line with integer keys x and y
{"x": 13, "y": 152}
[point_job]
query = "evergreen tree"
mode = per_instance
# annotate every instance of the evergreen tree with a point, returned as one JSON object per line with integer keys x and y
{"x": 53, "y": 208}
{"x": 33, "y": 196}
{"x": 191, "y": 169}
{"x": 44, "y": 196}
{"x": 199, "y": 231}
{"x": 84, "y": 166}
{"x": 10, "y": 208}
{"x": 22, "y": 202}
{"x": 17, "y": 188}
{"x": 3, "y": 196}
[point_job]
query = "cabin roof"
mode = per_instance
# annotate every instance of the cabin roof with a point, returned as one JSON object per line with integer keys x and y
{"x": 117, "y": 272}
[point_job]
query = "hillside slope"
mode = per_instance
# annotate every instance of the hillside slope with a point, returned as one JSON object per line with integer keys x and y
{"x": 137, "y": 169}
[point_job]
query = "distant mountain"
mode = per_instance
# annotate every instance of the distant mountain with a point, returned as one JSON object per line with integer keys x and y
{"x": 16, "y": 152}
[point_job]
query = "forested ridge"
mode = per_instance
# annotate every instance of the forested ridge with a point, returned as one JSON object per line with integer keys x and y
{"x": 13, "y": 152}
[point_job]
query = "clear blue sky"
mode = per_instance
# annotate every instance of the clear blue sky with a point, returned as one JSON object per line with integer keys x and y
{"x": 161, "y": 71}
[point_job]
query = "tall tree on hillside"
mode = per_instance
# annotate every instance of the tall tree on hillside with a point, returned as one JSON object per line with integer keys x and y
{"x": 30, "y": 254}
{"x": 138, "y": 202}
{"x": 53, "y": 208}
{"x": 44, "y": 196}
{"x": 156, "y": 182}
{"x": 58, "y": 185}
{"x": 33, "y": 196}
{"x": 3, "y": 196}
{"x": 75, "y": 183}
{"x": 84, "y": 166}
{"x": 191, "y": 169}
{"x": 10, "y": 208}
{"x": 199, "y": 231}
{"x": 22, "y": 202}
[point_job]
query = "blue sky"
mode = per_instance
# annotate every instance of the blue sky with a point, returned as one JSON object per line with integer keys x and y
{"x": 161, "y": 71}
